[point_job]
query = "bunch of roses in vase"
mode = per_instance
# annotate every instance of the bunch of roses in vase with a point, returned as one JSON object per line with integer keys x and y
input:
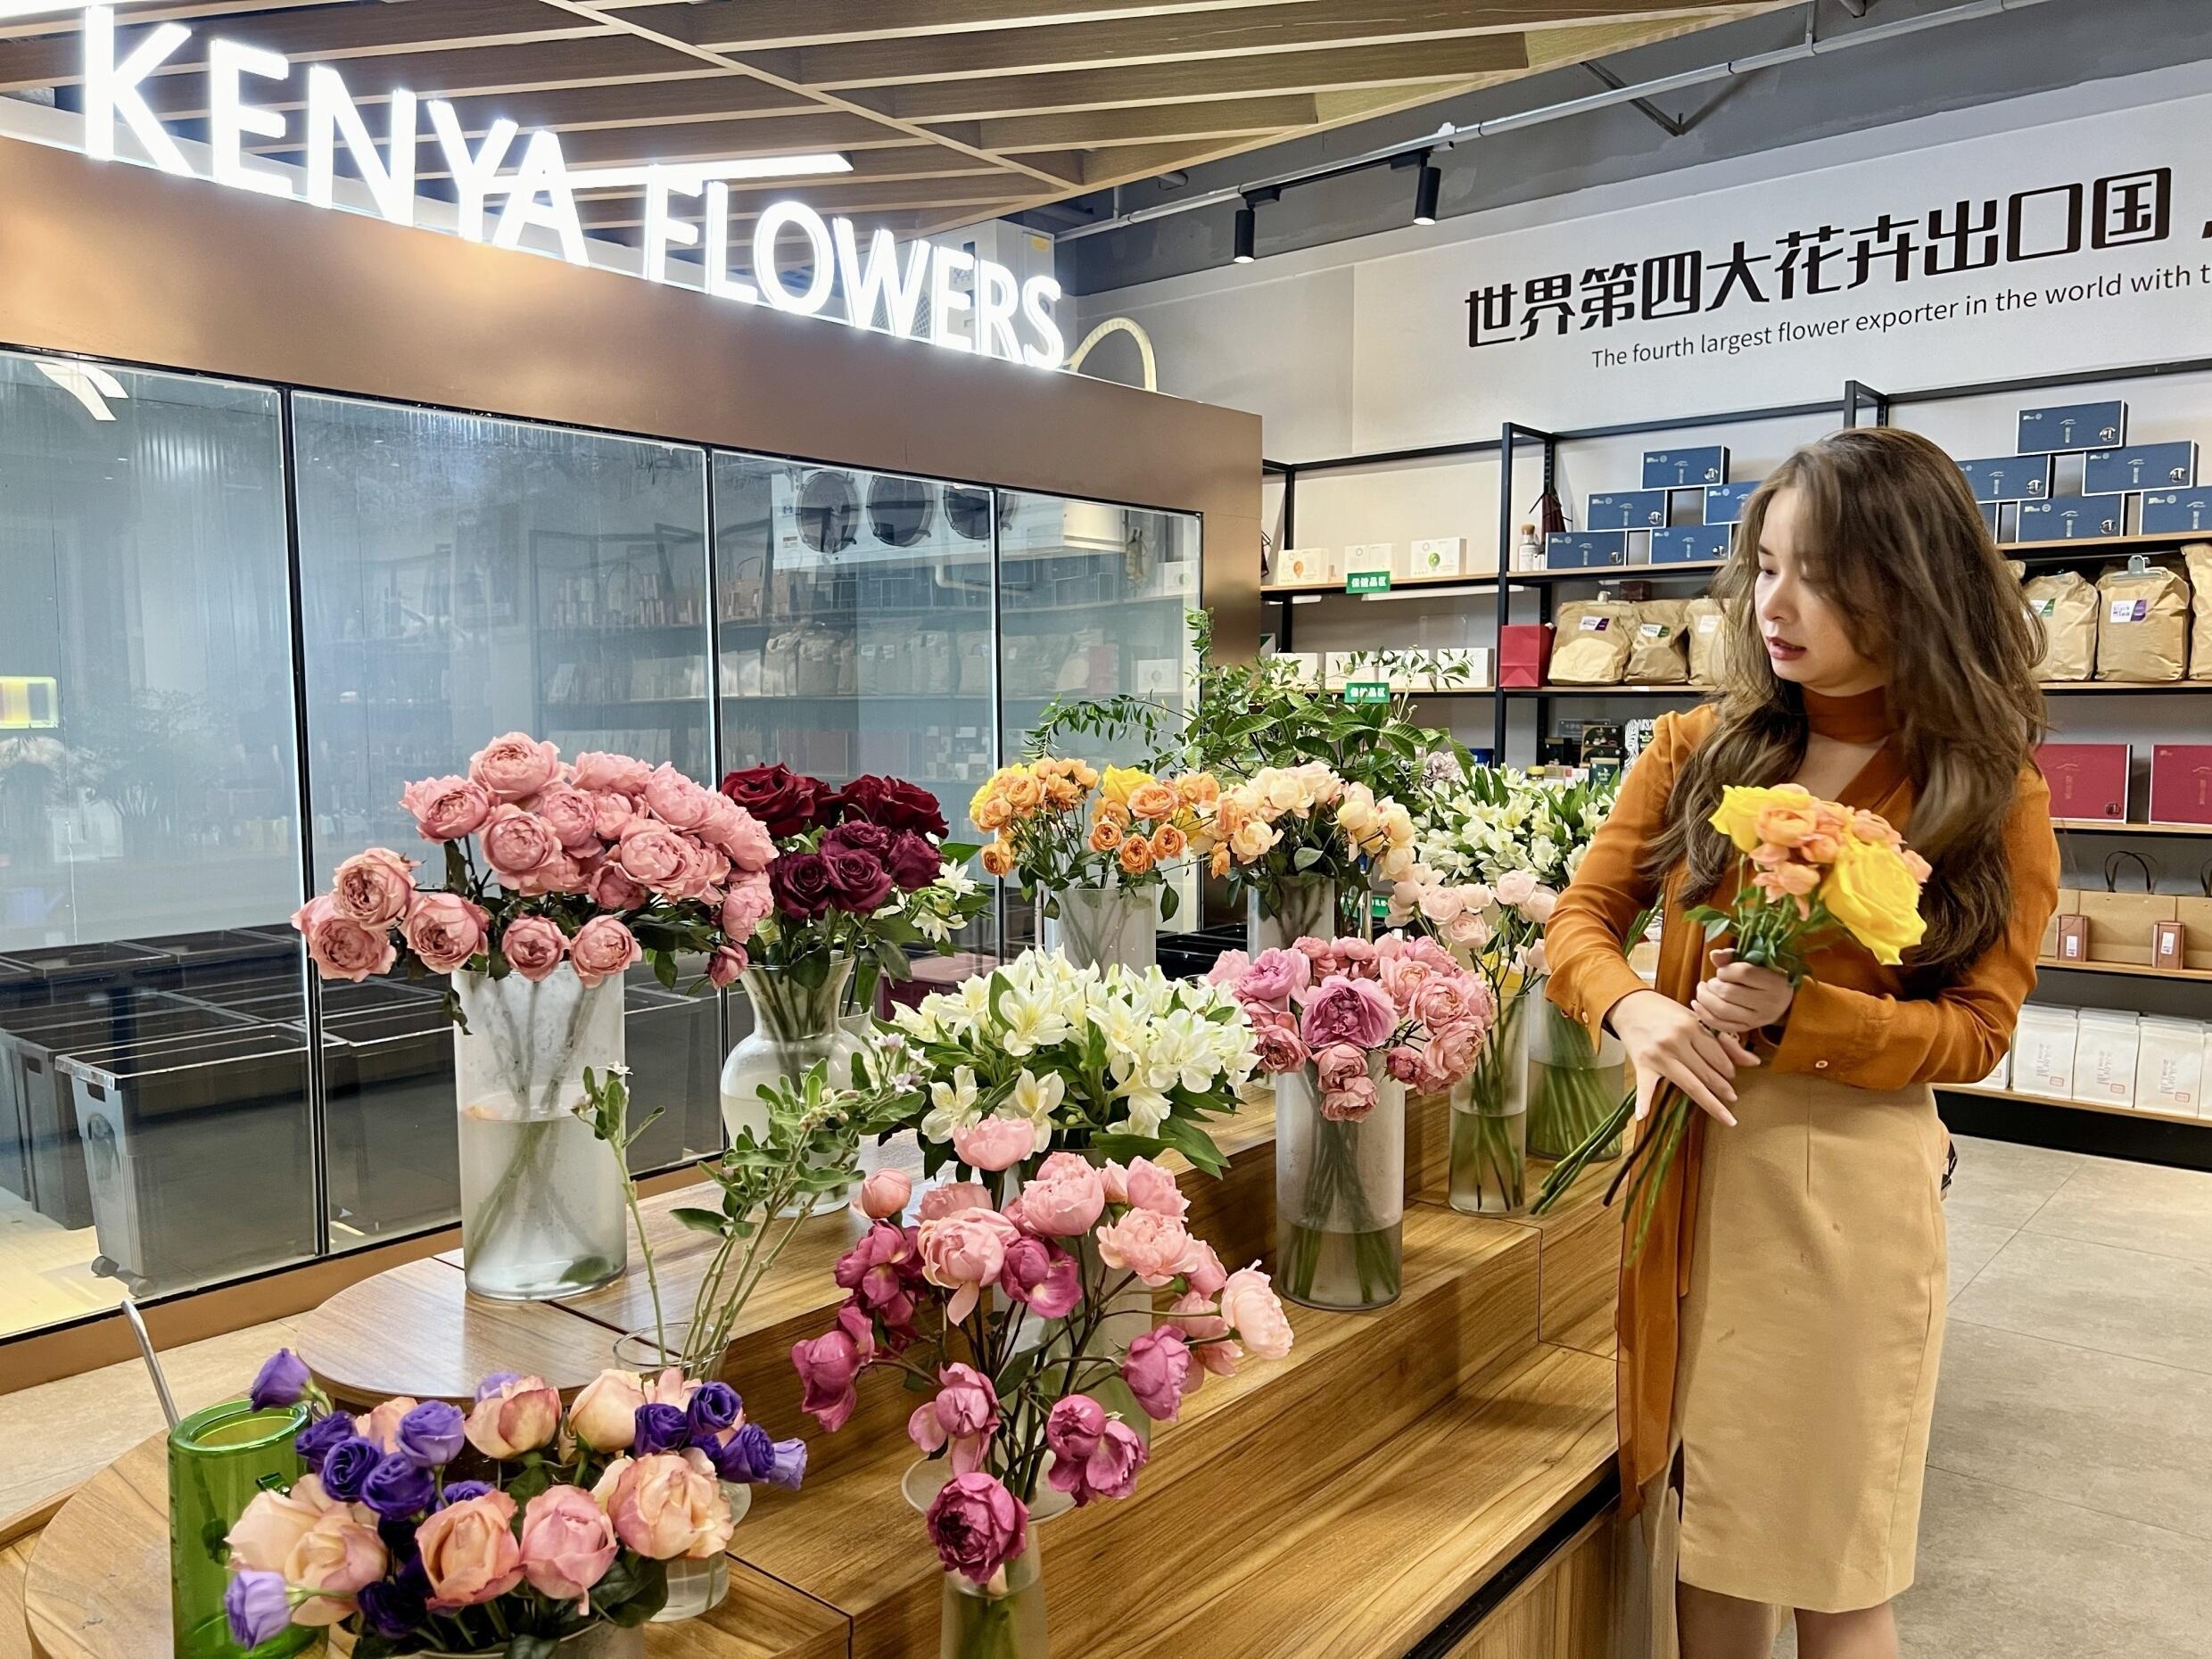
{"x": 1289, "y": 837}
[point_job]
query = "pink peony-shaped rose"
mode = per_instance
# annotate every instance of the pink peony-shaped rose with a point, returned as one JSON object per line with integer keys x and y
{"x": 964, "y": 1417}
{"x": 1205, "y": 1271}
{"x": 999, "y": 1142}
{"x": 568, "y": 1542}
{"x": 337, "y": 1556}
{"x": 1066, "y": 1197}
{"x": 978, "y": 1526}
{"x": 514, "y": 765}
{"x": 519, "y": 1416}
{"x": 519, "y": 844}
{"x": 884, "y": 1195}
{"x": 676, "y": 800}
{"x": 469, "y": 1551}
{"x": 603, "y": 947}
{"x": 609, "y": 888}
{"x": 340, "y": 947}
{"x": 1444, "y": 1001}
{"x": 746, "y": 904}
{"x": 613, "y": 774}
{"x": 1279, "y": 1046}
{"x": 374, "y": 887}
{"x": 1403, "y": 1062}
{"x": 1250, "y": 1306}
{"x": 533, "y": 946}
{"x": 1228, "y": 968}
{"x": 1340, "y": 1066}
{"x": 728, "y": 964}
{"x": 382, "y": 1425}
{"x": 1073, "y": 1426}
{"x": 1110, "y": 1469}
{"x": 1046, "y": 1277}
{"x": 571, "y": 814}
{"x": 964, "y": 1252}
{"x": 1449, "y": 1055}
{"x": 1150, "y": 1186}
{"x": 1274, "y": 976}
{"x": 829, "y": 1365}
{"x": 951, "y": 1198}
{"x": 272, "y": 1524}
{"x": 611, "y": 814}
{"x": 1157, "y": 1248}
{"x": 745, "y": 838}
{"x": 667, "y": 1506}
{"x": 1351, "y": 1104}
{"x": 445, "y": 930}
{"x": 1158, "y": 1368}
{"x": 652, "y": 854}
{"x": 446, "y": 809}
{"x": 1347, "y": 1010}
{"x": 605, "y": 1414}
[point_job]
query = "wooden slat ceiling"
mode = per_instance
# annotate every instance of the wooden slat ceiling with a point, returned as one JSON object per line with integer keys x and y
{"x": 951, "y": 111}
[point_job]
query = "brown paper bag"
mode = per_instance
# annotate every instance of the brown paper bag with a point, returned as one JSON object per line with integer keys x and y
{"x": 2120, "y": 923}
{"x": 2197, "y": 557}
{"x": 2143, "y": 626}
{"x": 1660, "y": 654}
{"x": 1595, "y": 638}
{"x": 1704, "y": 621}
{"x": 2066, "y": 605}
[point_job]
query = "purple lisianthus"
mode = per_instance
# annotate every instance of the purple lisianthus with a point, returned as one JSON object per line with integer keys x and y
{"x": 346, "y": 1466}
{"x": 258, "y": 1606}
{"x": 281, "y": 1381}
{"x": 399, "y": 1486}
{"x": 787, "y": 1467}
{"x": 397, "y": 1534}
{"x": 746, "y": 1457}
{"x": 433, "y": 1433}
{"x": 713, "y": 1409}
{"x": 392, "y": 1607}
{"x": 461, "y": 1492}
{"x": 660, "y": 1428}
{"x": 313, "y": 1443}
{"x": 497, "y": 1381}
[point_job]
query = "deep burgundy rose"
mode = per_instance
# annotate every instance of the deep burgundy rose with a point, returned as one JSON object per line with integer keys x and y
{"x": 801, "y": 884}
{"x": 859, "y": 882}
{"x": 788, "y": 802}
{"x": 914, "y": 863}
{"x": 895, "y": 804}
{"x": 859, "y": 837}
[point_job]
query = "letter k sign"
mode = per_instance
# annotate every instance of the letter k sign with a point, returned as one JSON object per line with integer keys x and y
{"x": 112, "y": 89}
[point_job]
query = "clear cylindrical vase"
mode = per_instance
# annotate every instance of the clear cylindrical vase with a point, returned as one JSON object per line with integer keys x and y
{"x": 1102, "y": 927}
{"x": 1004, "y": 1618}
{"x": 695, "y": 1587}
{"x": 1339, "y": 1194}
{"x": 1489, "y": 1120}
{"x": 541, "y": 1199}
{"x": 1302, "y": 908}
{"x": 797, "y": 1023}
{"x": 1574, "y": 1084}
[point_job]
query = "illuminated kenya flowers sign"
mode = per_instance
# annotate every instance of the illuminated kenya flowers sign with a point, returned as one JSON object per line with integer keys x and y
{"x": 1003, "y": 317}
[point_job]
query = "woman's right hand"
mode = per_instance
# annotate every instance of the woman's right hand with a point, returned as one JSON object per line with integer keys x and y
{"x": 1667, "y": 1045}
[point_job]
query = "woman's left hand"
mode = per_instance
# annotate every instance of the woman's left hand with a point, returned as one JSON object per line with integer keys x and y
{"x": 1739, "y": 998}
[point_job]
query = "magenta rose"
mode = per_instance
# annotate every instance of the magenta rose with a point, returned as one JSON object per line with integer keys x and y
{"x": 533, "y": 947}
{"x": 786, "y": 802}
{"x": 446, "y": 809}
{"x": 1403, "y": 1062}
{"x": 374, "y": 887}
{"x": 1340, "y": 1009}
{"x": 519, "y": 844}
{"x": 514, "y": 765}
{"x": 728, "y": 964}
{"x": 445, "y": 930}
{"x": 1108, "y": 1472}
{"x": 963, "y": 1416}
{"x": 572, "y": 815}
{"x": 913, "y": 862}
{"x": 895, "y": 804}
{"x": 677, "y": 801}
{"x": 652, "y": 854}
{"x": 1047, "y": 1278}
{"x": 859, "y": 883}
{"x": 801, "y": 884}
{"x": 611, "y": 890}
{"x": 340, "y": 947}
{"x": 1274, "y": 977}
{"x": 829, "y": 1366}
{"x": 611, "y": 774}
{"x": 1157, "y": 1371}
{"x": 602, "y": 948}
{"x": 1073, "y": 1427}
{"x": 978, "y": 1526}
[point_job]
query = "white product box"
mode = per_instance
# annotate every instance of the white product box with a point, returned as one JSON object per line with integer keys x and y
{"x": 1300, "y": 565}
{"x": 2043, "y": 1051}
{"x": 2001, "y": 1078}
{"x": 1437, "y": 556}
{"x": 2104, "y": 1057}
{"x": 1370, "y": 556}
{"x": 1477, "y": 659}
{"x": 2170, "y": 1066}
{"x": 1338, "y": 666}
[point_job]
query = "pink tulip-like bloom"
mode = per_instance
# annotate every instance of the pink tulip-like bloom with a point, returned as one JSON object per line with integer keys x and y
{"x": 1044, "y": 1276}
{"x": 603, "y": 948}
{"x": 951, "y": 1198}
{"x": 884, "y": 1195}
{"x": 829, "y": 1365}
{"x": 1158, "y": 1368}
{"x": 1065, "y": 1199}
{"x": 978, "y": 1526}
{"x": 1250, "y": 1306}
{"x": 337, "y": 1556}
{"x": 964, "y": 1252}
{"x": 445, "y": 930}
{"x": 1158, "y": 1249}
{"x": 514, "y": 765}
{"x": 533, "y": 947}
{"x": 1347, "y": 1010}
{"x": 667, "y": 1506}
{"x": 273, "y": 1524}
{"x": 340, "y": 947}
{"x": 568, "y": 1542}
{"x": 374, "y": 887}
{"x": 605, "y": 1414}
{"x": 964, "y": 1417}
{"x": 446, "y": 809}
{"x": 519, "y": 1416}
{"x": 383, "y": 1425}
{"x": 1110, "y": 1469}
{"x": 1152, "y": 1187}
{"x": 469, "y": 1552}
{"x": 997, "y": 1142}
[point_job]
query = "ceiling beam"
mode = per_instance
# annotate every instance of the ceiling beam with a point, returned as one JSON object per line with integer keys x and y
{"x": 1147, "y": 124}
{"x": 756, "y": 25}
{"x": 601, "y": 212}
{"x": 710, "y": 95}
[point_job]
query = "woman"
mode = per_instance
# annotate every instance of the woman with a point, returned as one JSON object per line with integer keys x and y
{"x": 1781, "y": 1332}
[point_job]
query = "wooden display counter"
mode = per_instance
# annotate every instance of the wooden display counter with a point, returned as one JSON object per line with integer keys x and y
{"x": 1435, "y": 1477}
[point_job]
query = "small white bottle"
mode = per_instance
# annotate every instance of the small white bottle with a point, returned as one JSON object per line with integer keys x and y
{"x": 1528, "y": 553}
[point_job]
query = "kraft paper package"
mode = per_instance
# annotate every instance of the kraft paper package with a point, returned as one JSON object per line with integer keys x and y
{"x": 2143, "y": 626}
{"x": 1659, "y": 655}
{"x": 1703, "y": 620}
{"x": 2069, "y": 905}
{"x": 2197, "y": 556}
{"x": 2066, "y": 605}
{"x": 1593, "y": 643}
{"x": 2120, "y": 924}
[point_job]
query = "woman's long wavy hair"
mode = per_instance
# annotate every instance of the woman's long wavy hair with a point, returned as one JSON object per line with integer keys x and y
{"x": 1892, "y": 536}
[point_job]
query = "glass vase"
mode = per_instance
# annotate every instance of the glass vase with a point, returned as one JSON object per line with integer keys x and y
{"x": 541, "y": 1200}
{"x": 794, "y": 1026}
{"x": 1574, "y": 1082}
{"x": 1302, "y": 907}
{"x": 596, "y": 1641}
{"x": 1340, "y": 1194}
{"x": 1103, "y": 927}
{"x": 695, "y": 1587}
{"x": 1005, "y": 1618}
{"x": 218, "y": 1459}
{"x": 1489, "y": 1120}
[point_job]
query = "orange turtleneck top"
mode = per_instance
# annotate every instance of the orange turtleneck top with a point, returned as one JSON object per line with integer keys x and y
{"x": 1850, "y": 1021}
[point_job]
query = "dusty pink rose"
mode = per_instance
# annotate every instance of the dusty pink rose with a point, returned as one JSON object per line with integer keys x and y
{"x": 1516, "y": 887}
{"x": 1066, "y": 1197}
{"x": 745, "y": 838}
{"x": 611, "y": 890}
{"x": 514, "y": 765}
{"x": 518, "y": 1416}
{"x": 1249, "y": 1304}
{"x": 1403, "y": 1062}
{"x": 445, "y": 930}
{"x": 517, "y": 843}
{"x": 1110, "y": 1469}
{"x": 1228, "y": 968}
{"x": 652, "y": 854}
{"x": 667, "y": 1506}
{"x": 1274, "y": 977}
{"x": 605, "y": 1414}
{"x": 997, "y": 1142}
{"x": 611, "y": 814}
{"x": 884, "y": 1195}
{"x": 1073, "y": 1426}
{"x": 1193, "y": 1313}
{"x": 603, "y": 947}
{"x": 1205, "y": 1271}
{"x": 1046, "y": 1277}
{"x": 829, "y": 1365}
{"x": 746, "y": 904}
{"x": 677, "y": 801}
{"x": 728, "y": 964}
{"x": 567, "y": 1542}
{"x": 1346, "y": 1011}
{"x": 571, "y": 814}
{"x": 964, "y": 1252}
{"x": 533, "y": 946}
{"x": 1339, "y": 1066}
{"x": 1351, "y": 1104}
{"x": 1442, "y": 1002}
{"x": 951, "y": 1198}
{"x": 611, "y": 774}
{"x": 383, "y": 1425}
{"x": 978, "y": 1526}
{"x": 469, "y": 1551}
{"x": 1449, "y": 1055}
{"x": 337, "y": 1556}
{"x": 446, "y": 809}
{"x": 373, "y": 888}
{"x": 964, "y": 1417}
{"x": 1155, "y": 1247}
{"x": 263, "y": 1536}
{"x": 1115, "y": 1178}
{"x": 1152, "y": 1187}
{"x": 1280, "y": 1048}
{"x": 340, "y": 947}
{"x": 1157, "y": 1369}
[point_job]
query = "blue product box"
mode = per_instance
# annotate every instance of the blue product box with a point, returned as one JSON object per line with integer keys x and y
{"x": 2010, "y": 478}
{"x": 1685, "y": 469}
{"x": 2139, "y": 466}
{"x": 2176, "y": 512}
{"x": 2072, "y": 426}
{"x": 1989, "y": 516}
{"x": 1682, "y": 544}
{"x": 1585, "y": 550}
{"x": 1724, "y": 503}
{"x": 1628, "y": 509}
{"x": 2072, "y": 517}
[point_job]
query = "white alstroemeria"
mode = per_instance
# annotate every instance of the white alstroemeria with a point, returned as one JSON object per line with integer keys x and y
{"x": 932, "y": 927}
{"x": 1037, "y": 1099}
{"x": 1122, "y": 1026}
{"x": 954, "y": 879}
{"x": 1030, "y": 1020}
{"x": 951, "y": 1105}
{"x": 1145, "y": 1108}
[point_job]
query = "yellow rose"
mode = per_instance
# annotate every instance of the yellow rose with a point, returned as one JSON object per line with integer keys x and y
{"x": 1120, "y": 782}
{"x": 1738, "y": 815}
{"x": 1871, "y": 891}
{"x": 1252, "y": 840}
{"x": 1287, "y": 792}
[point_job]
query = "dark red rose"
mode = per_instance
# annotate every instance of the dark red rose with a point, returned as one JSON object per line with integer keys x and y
{"x": 895, "y": 804}
{"x": 859, "y": 882}
{"x": 788, "y": 802}
{"x": 914, "y": 863}
{"x": 859, "y": 837}
{"x": 800, "y": 882}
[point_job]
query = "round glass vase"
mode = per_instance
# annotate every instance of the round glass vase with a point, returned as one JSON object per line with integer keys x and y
{"x": 1005, "y": 1618}
{"x": 596, "y": 1641}
{"x": 1340, "y": 1194}
{"x": 1302, "y": 907}
{"x": 1102, "y": 927}
{"x": 794, "y": 1025}
{"x": 218, "y": 1459}
{"x": 1490, "y": 1118}
{"x": 695, "y": 1587}
{"x": 541, "y": 1199}
{"x": 1574, "y": 1082}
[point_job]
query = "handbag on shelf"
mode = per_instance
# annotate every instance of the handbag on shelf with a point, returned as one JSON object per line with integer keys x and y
{"x": 2120, "y": 923}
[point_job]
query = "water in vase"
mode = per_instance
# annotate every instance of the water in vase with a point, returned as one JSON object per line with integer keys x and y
{"x": 543, "y": 1204}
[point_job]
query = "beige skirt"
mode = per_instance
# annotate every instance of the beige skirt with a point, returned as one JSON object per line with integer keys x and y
{"x": 1812, "y": 1332}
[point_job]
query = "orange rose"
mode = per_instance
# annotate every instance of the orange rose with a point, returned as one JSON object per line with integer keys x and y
{"x": 1115, "y": 813}
{"x": 1063, "y": 793}
{"x": 1198, "y": 789}
{"x": 1169, "y": 843}
{"x": 1152, "y": 800}
{"x": 991, "y": 814}
{"x": 1219, "y": 863}
{"x": 1084, "y": 773}
{"x": 1105, "y": 835}
{"x": 1023, "y": 792}
{"x": 1136, "y": 855}
{"x": 998, "y": 858}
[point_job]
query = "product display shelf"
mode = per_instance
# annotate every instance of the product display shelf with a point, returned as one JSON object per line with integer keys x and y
{"x": 1685, "y": 570}
{"x": 2098, "y": 547}
{"x": 2125, "y": 688}
{"x": 2118, "y": 826}
{"x": 1485, "y": 581}
{"x": 2127, "y": 970}
{"x": 1691, "y": 693}
{"x": 1986, "y": 1092}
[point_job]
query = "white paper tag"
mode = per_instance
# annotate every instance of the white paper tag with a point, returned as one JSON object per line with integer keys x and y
{"x": 1595, "y": 624}
{"x": 1654, "y": 631}
{"x": 1708, "y": 625}
{"x": 2129, "y": 610}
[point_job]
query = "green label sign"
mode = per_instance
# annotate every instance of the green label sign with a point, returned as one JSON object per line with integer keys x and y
{"x": 1366, "y": 691}
{"x": 1367, "y": 581}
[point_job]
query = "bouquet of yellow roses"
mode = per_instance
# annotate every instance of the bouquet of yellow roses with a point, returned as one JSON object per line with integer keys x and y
{"x": 1049, "y": 833}
{"x": 1812, "y": 870}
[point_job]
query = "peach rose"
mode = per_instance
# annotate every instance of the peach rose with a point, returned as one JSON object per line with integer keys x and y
{"x": 518, "y": 1416}
{"x": 1065, "y": 1199}
{"x": 1249, "y": 1304}
{"x": 1154, "y": 1247}
{"x": 602, "y": 948}
{"x": 446, "y": 808}
{"x": 1105, "y": 836}
{"x": 667, "y": 1506}
{"x": 567, "y": 1542}
{"x": 337, "y": 1556}
{"x": 652, "y": 854}
{"x": 469, "y": 1551}
{"x": 514, "y": 765}
{"x": 383, "y": 1425}
{"x": 1170, "y": 843}
{"x": 534, "y": 945}
{"x": 611, "y": 774}
{"x": 605, "y": 1414}
{"x": 517, "y": 843}
{"x": 264, "y": 1537}
{"x": 884, "y": 1195}
{"x": 445, "y": 930}
{"x": 1136, "y": 855}
{"x": 340, "y": 947}
{"x": 374, "y": 887}
{"x": 610, "y": 889}
{"x": 998, "y": 858}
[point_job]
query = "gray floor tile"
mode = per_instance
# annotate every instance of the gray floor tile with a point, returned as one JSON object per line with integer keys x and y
{"x": 2138, "y": 1206}
{"x": 2123, "y": 1436}
{"x": 1973, "y": 1245}
{"x": 2003, "y": 1185}
{"x": 2094, "y": 1296}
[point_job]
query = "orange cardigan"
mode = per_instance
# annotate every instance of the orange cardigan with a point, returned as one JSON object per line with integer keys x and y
{"x": 1849, "y": 1021}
